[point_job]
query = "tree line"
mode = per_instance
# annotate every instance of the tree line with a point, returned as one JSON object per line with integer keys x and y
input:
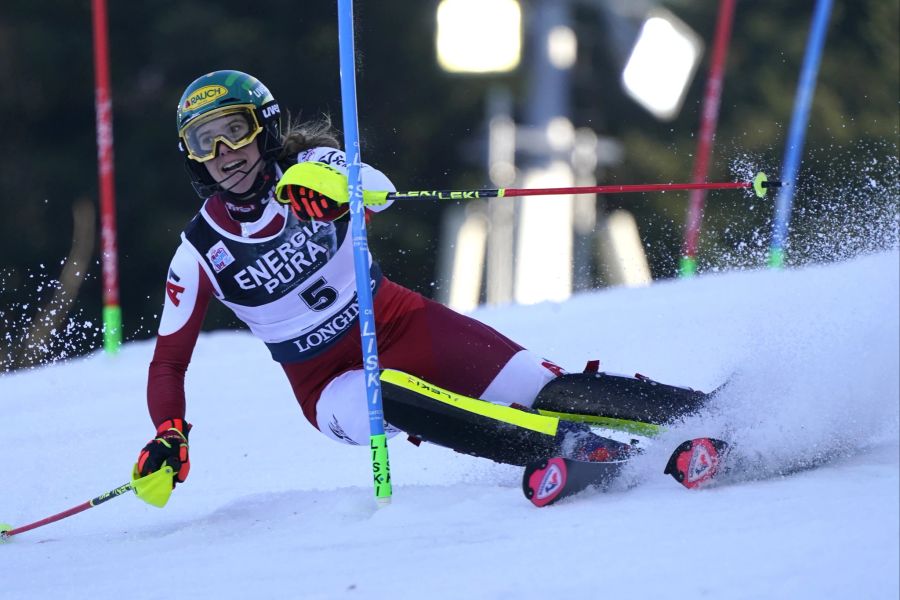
{"x": 419, "y": 125}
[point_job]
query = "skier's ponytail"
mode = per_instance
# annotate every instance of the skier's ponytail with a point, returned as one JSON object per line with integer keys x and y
{"x": 301, "y": 136}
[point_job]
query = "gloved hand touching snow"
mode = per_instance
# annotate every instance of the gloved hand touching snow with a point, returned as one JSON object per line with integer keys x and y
{"x": 170, "y": 446}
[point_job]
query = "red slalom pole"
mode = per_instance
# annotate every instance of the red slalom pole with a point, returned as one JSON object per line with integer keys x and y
{"x": 112, "y": 312}
{"x": 708, "y": 120}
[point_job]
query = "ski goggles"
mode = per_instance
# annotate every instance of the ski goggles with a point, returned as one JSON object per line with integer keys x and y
{"x": 235, "y": 126}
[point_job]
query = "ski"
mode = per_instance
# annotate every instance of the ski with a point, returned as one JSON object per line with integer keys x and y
{"x": 553, "y": 479}
{"x": 694, "y": 464}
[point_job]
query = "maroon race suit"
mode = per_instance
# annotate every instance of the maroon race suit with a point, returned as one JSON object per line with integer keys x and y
{"x": 292, "y": 282}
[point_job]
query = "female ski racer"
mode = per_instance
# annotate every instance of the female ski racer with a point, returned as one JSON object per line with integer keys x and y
{"x": 286, "y": 270}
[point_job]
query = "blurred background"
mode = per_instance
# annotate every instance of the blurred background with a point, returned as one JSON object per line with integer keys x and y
{"x": 546, "y": 103}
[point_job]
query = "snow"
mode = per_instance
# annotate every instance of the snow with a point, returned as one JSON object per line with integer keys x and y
{"x": 273, "y": 509}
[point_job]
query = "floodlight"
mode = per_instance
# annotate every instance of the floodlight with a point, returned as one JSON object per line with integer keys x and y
{"x": 662, "y": 64}
{"x": 479, "y": 36}
{"x": 562, "y": 47}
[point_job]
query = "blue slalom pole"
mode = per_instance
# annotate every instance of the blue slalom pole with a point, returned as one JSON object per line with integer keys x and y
{"x": 806, "y": 88}
{"x": 381, "y": 470}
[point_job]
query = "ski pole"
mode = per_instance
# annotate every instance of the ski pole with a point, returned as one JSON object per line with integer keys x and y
{"x": 323, "y": 182}
{"x": 7, "y": 532}
{"x": 153, "y": 489}
{"x": 760, "y": 185}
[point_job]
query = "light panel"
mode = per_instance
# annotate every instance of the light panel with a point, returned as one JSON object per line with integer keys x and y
{"x": 662, "y": 64}
{"x": 479, "y": 36}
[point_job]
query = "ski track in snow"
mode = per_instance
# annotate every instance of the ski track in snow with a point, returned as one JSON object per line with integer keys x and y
{"x": 272, "y": 509}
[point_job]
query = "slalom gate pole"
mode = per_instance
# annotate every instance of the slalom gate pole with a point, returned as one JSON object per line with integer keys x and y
{"x": 381, "y": 471}
{"x": 760, "y": 184}
{"x": 806, "y": 88}
{"x": 7, "y": 532}
{"x": 112, "y": 312}
{"x": 709, "y": 118}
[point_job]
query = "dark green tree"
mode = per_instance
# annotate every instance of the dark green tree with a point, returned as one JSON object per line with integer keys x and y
{"x": 419, "y": 125}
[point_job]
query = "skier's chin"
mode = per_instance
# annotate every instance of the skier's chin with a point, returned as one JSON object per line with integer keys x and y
{"x": 238, "y": 182}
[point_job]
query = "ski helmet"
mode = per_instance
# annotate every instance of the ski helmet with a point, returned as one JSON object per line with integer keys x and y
{"x": 219, "y": 94}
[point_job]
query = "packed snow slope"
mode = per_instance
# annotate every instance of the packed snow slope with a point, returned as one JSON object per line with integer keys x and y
{"x": 273, "y": 509}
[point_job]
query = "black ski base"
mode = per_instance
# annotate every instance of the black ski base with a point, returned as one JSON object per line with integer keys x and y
{"x": 550, "y": 480}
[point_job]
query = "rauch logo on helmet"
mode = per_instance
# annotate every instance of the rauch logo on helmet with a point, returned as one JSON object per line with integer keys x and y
{"x": 205, "y": 95}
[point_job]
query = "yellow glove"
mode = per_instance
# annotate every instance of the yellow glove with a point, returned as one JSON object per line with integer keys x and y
{"x": 318, "y": 192}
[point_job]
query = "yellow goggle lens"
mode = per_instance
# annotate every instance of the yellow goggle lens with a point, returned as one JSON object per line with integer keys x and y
{"x": 235, "y": 126}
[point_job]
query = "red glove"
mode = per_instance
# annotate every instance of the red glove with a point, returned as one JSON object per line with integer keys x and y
{"x": 310, "y": 205}
{"x": 170, "y": 446}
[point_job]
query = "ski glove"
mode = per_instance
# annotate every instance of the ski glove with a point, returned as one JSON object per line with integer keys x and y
{"x": 310, "y": 205}
{"x": 315, "y": 192}
{"x": 170, "y": 446}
